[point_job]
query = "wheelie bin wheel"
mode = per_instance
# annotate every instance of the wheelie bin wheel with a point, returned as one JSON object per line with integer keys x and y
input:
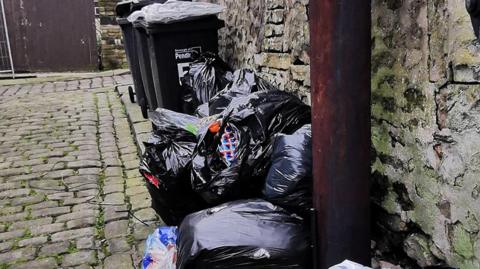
{"x": 131, "y": 93}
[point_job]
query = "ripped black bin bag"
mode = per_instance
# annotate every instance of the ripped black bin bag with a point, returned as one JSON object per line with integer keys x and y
{"x": 289, "y": 179}
{"x": 207, "y": 76}
{"x": 244, "y": 82}
{"x": 232, "y": 156}
{"x": 169, "y": 124}
{"x": 243, "y": 234}
{"x": 166, "y": 165}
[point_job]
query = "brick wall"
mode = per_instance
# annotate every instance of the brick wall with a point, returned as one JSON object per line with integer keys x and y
{"x": 109, "y": 36}
{"x": 271, "y": 37}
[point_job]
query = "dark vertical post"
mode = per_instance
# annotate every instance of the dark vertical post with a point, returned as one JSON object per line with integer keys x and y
{"x": 340, "y": 74}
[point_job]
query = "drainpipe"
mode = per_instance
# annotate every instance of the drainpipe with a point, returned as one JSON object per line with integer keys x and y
{"x": 340, "y": 72}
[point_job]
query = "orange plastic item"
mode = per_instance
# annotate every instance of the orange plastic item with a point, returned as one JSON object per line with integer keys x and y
{"x": 214, "y": 127}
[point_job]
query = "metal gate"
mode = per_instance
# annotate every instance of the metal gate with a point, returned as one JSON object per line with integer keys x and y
{"x": 52, "y": 35}
{"x": 6, "y": 62}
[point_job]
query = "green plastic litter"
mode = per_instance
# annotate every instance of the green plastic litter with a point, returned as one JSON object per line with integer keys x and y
{"x": 192, "y": 128}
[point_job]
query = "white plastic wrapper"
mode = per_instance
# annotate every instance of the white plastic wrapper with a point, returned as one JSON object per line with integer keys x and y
{"x": 135, "y": 16}
{"x": 349, "y": 265}
{"x": 175, "y": 11}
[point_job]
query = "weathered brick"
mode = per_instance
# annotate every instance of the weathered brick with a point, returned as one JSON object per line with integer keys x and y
{"x": 47, "y": 229}
{"x": 14, "y": 193}
{"x": 30, "y": 223}
{"x": 117, "y": 261}
{"x": 28, "y": 200}
{"x": 53, "y": 211}
{"x": 32, "y": 241}
{"x": 11, "y": 235}
{"x": 42, "y": 205}
{"x": 116, "y": 245}
{"x": 60, "y": 195}
{"x": 72, "y": 234}
{"x": 9, "y": 185}
{"x": 10, "y": 210}
{"x": 85, "y": 243}
{"x": 76, "y": 215}
{"x": 116, "y": 229}
{"x": 54, "y": 248}
{"x": 78, "y": 258}
{"x": 84, "y": 164}
{"x": 4, "y": 246}
{"x": 46, "y": 263}
{"x": 81, "y": 223}
{"x": 115, "y": 199}
{"x": 13, "y": 217}
{"x": 25, "y": 254}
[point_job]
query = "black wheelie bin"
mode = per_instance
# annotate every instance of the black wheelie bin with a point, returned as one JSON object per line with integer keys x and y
{"x": 143, "y": 96}
{"x": 143, "y": 56}
{"x": 171, "y": 47}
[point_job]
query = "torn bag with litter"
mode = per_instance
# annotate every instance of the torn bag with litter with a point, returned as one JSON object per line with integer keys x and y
{"x": 243, "y": 83}
{"x": 166, "y": 165}
{"x": 289, "y": 180}
{"x": 206, "y": 77}
{"x": 243, "y": 234}
{"x": 232, "y": 156}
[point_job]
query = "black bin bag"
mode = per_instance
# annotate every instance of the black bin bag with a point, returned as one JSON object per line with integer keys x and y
{"x": 232, "y": 156}
{"x": 243, "y": 234}
{"x": 289, "y": 179}
{"x": 206, "y": 77}
{"x": 166, "y": 164}
{"x": 244, "y": 82}
{"x": 202, "y": 111}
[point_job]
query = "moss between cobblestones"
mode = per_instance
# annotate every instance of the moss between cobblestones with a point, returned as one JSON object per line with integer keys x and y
{"x": 130, "y": 239}
{"x": 29, "y": 214}
{"x": 7, "y": 225}
{"x": 100, "y": 226}
{"x": 101, "y": 182}
{"x": 58, "y": 258}
{"x": 72, "y": 248}
{"x": 26, "y": 235}
{"x": 74, "y": 147}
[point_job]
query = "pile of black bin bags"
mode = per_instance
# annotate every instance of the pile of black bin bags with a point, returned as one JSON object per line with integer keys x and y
{"x": 237, "y": 176}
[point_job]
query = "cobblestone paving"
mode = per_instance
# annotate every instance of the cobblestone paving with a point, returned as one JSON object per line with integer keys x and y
{"x": 68, "y": 85}
{"x": 69, "y": 179}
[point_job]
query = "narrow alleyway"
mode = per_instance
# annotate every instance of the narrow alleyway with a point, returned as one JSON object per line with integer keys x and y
{"x": 68, "y": 177}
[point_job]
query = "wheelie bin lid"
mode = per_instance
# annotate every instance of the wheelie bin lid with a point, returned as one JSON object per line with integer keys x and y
{"x": 209, "y": 22}
{"x": 124, "y": 8}
{"x": 174, "y": 11}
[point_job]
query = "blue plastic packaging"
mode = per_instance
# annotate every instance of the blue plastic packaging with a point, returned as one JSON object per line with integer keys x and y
{"x": 161, "y": 249}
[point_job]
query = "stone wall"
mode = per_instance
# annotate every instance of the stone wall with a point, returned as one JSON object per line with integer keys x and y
{"x": 271, "y": 37}
{"x": 426, "y": 122}
{"x": 425, "y": 113}
{"x": 109, "y": 36}
{"x": 268, "y": 36}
